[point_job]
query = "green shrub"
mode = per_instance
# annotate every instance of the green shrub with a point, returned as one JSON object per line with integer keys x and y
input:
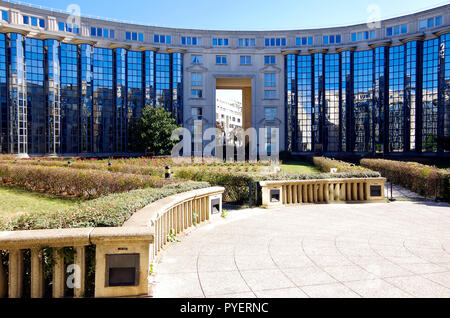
{"x": 319, "y": 176}
{"x": 236, "y": 185}
{"x": 325, "y": 164}
{"x": 73, "y": 182}
{"x": 108, "y": 211}
{"x": 425, "y": 180}
{"x": 98, "y": 165}
{"x": 7, "y": 157}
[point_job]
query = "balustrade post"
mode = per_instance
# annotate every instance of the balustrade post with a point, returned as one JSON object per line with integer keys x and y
{"x": 3, "y": 280}
{"x": 15, "y": 283}
{"x": 37, "y": 275}
{"x": 321, "y": 192}
{"x": 326, "y": 192}
{"x": 310, "y": 194}
{"x": 58, "y": 274}
{"x": 361, "y": 191}
{"x": 299, "y": 192}
{"x": 80, "y": 271}
{"x": 354, "y": 191}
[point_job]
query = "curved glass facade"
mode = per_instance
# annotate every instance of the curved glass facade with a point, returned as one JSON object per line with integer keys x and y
{"x": 79, "y": 89}
{"x": 389, "y": 99}
{"x": 59, "y": 98}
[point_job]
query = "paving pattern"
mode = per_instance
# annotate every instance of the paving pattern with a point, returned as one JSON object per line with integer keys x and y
{"x": 400, "y": 249}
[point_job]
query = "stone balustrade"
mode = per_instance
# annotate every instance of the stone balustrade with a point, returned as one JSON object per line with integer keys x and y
{"x": 277, "y": 193}
{"x": 137, "y": 242}
{"x": 177, "y": 213}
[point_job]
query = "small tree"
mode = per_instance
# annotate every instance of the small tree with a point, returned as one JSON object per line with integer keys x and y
{"x": 154, "y": 129}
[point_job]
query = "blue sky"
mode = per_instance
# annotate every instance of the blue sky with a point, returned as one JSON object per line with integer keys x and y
{"x": 243, "y": 14}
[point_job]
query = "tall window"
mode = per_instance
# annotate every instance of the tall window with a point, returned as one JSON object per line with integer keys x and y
{"x": 135, "y": 94}
{"x": 379, "y": 96}
{"x": 411, "y": 90}
{"x": 246, "y": 60}
{"x": 363, "y": 101}
{"x": 347, "y": 94}
{"x": 34, "y": 61}
{"x": 196, "y": 59}
{"x": 163, "y": 92}
{"x": 197, "y": 79}
{"x": 103, "y": 109}
{"x": 5, "y": 16}
{"x": 396, "y": 98}
{"x": 270, "y": 59}
{"x": 332, "y": 102}
{"x": 270, "y": 80}
{"x": 305, "y": 111}
{"x": 3, "y": 97}
{"x": 430, "y": 95}
{"x": 221, "y": 59}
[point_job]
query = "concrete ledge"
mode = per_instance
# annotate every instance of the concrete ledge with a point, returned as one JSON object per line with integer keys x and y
{"x": 277, "y": 182}
{"x": 121, "y": 234}
{"x": 338, "y": 190}
{"x": 147, "y": 216}
{"x": 42, "y": 238}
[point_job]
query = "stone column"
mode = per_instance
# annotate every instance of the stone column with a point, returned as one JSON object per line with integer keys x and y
{"x": 58, "y": 275}
{"x": 3, "y": 280}
{"x": 37, "y": 275}
{"x": 15, "y": 273}
{"x": 80, "y": 271}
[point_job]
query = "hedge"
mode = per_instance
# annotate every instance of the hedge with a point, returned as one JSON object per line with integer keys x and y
{"x": 108, "y": 211}
{"x": 237, "y": 184}
{"x": 115, "y": 167}
{"x": 73, "y": 182}
{"x": 427, "y": 181}
{"x": 325, "y": 164}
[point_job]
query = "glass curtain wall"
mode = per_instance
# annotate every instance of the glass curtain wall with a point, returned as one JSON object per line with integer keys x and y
{"x": 53, "y": 90}
{"x": 70, "y": 111}
{"x": 305, "y": 103}
{"x": 332, "y": 103}
{"x": 3, "y": 96}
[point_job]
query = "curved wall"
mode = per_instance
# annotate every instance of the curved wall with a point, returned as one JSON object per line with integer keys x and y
{"x": 77, "y": 89}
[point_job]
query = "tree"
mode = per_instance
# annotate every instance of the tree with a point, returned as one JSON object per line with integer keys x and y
{"x": 154, "y": 129}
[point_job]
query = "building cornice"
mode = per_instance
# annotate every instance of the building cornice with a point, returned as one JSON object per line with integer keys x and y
{"x": 9, "y": 29}
{"x": 380, "y": 44}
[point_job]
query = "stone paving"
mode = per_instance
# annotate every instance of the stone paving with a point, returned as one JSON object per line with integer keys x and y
{"x": 401, "y": 249}
{"x": 400, "y": 193}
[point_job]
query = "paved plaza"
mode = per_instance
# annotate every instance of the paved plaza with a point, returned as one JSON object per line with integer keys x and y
{"x": 401, "y": 249}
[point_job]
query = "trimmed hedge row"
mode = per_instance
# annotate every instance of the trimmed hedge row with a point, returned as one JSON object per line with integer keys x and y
{"x": 108, "y": 211}
{"x": 428, "y": 181}
{"x": 83, "y": 165}
{"x": 325, "y": 164}
{"x": 73, "y": 182}
{"x": 237, "y": 184}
